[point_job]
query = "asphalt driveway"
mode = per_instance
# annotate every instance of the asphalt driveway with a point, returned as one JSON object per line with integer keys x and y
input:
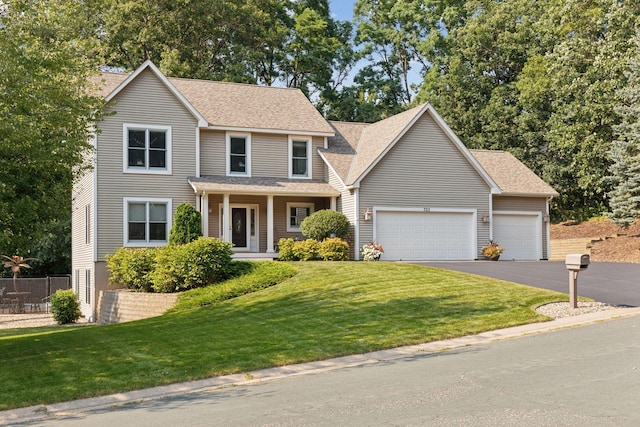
{"x": 609, "y": 282}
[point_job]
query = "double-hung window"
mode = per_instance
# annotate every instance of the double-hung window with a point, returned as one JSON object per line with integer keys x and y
{"x": 297, "y": 212}
{"x": 238, "y": 154}
{"x": 147, "y": 221}
{"x": 299, "y": 157}
{"x": 147, "y": 149}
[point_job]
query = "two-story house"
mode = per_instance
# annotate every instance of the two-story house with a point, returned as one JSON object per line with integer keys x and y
{"x": 256, "y": 161}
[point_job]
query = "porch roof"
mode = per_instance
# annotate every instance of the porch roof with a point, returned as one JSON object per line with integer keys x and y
{"x": 262, "y": 186}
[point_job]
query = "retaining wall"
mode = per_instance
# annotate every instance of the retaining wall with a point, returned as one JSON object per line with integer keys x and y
{"x": 121, "y": 305}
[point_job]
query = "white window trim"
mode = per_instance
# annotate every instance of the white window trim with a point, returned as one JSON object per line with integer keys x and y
{"x": 125, "y": 149}
{"x": 309, "y": 142}
{"x": 290, "y": 205}
{"x": 125, "y": 221}
{"x": 247, "y": 137}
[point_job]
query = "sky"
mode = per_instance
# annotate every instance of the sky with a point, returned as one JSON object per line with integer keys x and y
{"x": 342, "y": 9}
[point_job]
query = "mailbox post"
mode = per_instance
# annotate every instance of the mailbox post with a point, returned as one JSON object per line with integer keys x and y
{"x": 575, "y": 263}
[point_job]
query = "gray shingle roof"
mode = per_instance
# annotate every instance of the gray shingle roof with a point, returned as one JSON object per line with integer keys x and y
{"x": 511, "y": 175}
{"x": 243, "y": 106}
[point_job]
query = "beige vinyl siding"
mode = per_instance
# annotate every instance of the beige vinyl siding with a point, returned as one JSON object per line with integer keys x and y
{"x": 269, "y": 155}
{"x": 81, "y": 250}
{"x": 144, "y": 101}
{"x": 525, "y": 204}
{"x": 212, "y": 153}
{"x": 426, "y": 170}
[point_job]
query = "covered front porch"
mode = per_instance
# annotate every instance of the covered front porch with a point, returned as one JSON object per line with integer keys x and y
{"x": 254, "y": 213}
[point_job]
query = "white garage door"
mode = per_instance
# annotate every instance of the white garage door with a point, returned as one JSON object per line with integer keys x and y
{"x": 519, "y": 235}
{"x": 411, "y": 235}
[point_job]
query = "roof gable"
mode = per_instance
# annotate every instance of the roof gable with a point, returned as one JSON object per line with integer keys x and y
{"x": 220, "y": 105}
{"x": 377, "y": 139}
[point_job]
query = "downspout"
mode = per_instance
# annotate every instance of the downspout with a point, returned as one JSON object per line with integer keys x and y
{"x": 356, "y": 237}
{"x": 548, "y": 226}
{"x": 490, "y": 216}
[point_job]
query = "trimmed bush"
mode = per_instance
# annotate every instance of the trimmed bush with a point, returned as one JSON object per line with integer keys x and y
{"x": 306, "y": 250}
{"x": 65, "y": 307}
{"x": 196, "y": 264}
{"x": 325, "y": 223}
{"x": 132, "y": 268}
{"x": 334, "y": 249}
{"x": 285, "y": 249}
{"x": 186, "y": 226}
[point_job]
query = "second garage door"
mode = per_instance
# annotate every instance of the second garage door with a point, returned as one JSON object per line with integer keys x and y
{"x": 519, "y": 234}
{"x": 418, "y": 235}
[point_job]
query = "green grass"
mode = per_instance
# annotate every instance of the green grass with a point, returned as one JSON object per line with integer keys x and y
{"x": 326, "y": 309}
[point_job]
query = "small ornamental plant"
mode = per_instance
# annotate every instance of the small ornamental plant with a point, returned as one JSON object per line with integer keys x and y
{"x": 371, "y": 251}
{"x": 492, "y": 250}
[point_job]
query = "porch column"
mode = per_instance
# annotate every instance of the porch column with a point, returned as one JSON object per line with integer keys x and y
{"x": 225, "y": 218}
{"x": 334, "y": 204}
{"x": 205, "y": 214}
{"x": 270, "y": 246}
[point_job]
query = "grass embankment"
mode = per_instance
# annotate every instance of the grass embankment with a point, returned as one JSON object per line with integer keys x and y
{"x": 326, "y": 309}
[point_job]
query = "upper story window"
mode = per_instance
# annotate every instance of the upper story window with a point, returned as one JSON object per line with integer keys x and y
{"x": 239, "y": 154}
{"x": 147, "y": 149}
{"x": 146, "y": 221}
{"x": 299, "y": 157}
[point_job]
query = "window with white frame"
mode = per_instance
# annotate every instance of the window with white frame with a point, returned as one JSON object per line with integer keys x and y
{"x": 297, "y": 212}
{"x": 238, "y": 154}
{"x": 147, "y": 149}
{"x": 146, "y": 221}
{"x": 299, "y": 157}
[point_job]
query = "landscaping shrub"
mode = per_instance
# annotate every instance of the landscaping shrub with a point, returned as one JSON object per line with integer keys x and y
{"x": 65, "y": 307}
{"x": 132, "y": 268}
{"x": 325, "y": 223}
{"x": 334, "y": 249}
{"x": 285, "y": 249}
{"x": 186, "y": 226}
{"x": 199, "y": 263}
{"x": 306, "y": 250}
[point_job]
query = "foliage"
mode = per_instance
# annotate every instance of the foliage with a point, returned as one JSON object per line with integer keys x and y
{"x": 371, "y": 251}
{"x": 132, "y": 267}
{"x": 196, "y": 264}
{"x": 256, "y": 276}
{"x": 53, "y": 249}
{"x": 325, "y": 223}
{"x": 47, "y": 110}
{"x": 306, "y": 250}
{"x": 65, "y": 306}
{"x": 285, "y": 249}
{"x": 186, "y": 226}
{"x": 298, "y": 250}
{"x": 492, "y": 250}
{"x": 334, "y": 249}
{"x": 625, "y": 150}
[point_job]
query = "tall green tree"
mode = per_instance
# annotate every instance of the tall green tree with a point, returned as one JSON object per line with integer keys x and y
{"x": 46, "y": 113}
{"x": 625, "y": 150}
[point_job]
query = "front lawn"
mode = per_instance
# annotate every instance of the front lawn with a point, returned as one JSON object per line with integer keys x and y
{"x": 327, "y": 309}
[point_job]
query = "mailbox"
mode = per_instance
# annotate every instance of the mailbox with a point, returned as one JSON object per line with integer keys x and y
{"x": 577, "y": 262}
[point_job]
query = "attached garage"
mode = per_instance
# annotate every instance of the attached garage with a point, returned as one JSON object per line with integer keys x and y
{"x": 419, "y": 234}
{"x": 519, "y": 233}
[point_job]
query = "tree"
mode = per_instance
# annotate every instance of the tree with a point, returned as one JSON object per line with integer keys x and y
{"x": 625, "y": 151}
{"x": 16, "y": 263}
{"x": 187, "y": 225}
{"x": 47, "y": 110}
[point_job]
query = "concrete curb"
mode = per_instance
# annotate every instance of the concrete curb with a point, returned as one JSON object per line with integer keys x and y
{"x": 58, "y": 410}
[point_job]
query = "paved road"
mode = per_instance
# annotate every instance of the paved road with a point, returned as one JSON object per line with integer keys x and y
{"x": 613, "y": 283}
{"x": 588, "y": 376}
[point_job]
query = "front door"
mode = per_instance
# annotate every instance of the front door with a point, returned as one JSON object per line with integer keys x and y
{"x": 239, "y": 227}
